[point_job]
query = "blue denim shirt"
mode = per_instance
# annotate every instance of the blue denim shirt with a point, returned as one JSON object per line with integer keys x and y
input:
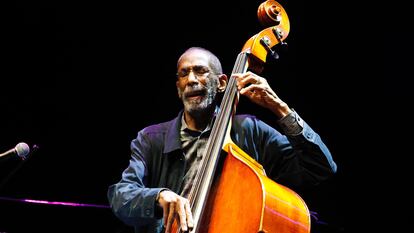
{"x": 157, "y": 162}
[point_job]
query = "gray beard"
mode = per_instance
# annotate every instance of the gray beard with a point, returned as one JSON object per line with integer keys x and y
{"x": 199, "y": 107}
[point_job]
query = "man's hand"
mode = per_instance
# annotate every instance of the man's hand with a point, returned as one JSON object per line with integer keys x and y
{"x": 175, "y": 206}
{"x": 257, "y": 89}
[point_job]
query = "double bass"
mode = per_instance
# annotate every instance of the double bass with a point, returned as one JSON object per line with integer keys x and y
{"x": 231, "y": 192}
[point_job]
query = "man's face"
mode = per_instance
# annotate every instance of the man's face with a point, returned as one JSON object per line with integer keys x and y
{"x": 196, "y": 83}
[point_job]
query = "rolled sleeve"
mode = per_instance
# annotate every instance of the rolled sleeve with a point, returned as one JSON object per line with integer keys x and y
{"x": 292, "y": 124}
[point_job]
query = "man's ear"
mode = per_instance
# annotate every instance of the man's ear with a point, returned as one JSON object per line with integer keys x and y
{"x": 222, "y": 82}
{"x": 178, "y": 90}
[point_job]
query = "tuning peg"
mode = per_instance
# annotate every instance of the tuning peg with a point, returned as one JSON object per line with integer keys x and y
{"x": 283, "y": 47}
{"x": 279, "y": 35}
{"x": 265, "y": 41}
{"x": 274, "y": 55}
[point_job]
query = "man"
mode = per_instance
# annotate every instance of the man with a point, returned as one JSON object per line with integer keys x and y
{"x": 165, "y": 157}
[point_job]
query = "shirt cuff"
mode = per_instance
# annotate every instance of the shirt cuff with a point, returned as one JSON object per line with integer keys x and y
{"x": 291, "y": 124}
{"x": 158, "y": 194}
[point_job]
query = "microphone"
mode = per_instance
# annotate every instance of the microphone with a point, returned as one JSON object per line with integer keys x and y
{"x": 21, "y": 149}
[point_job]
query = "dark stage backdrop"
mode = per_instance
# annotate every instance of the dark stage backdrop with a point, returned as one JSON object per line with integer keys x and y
{"x": 79, "y": 80}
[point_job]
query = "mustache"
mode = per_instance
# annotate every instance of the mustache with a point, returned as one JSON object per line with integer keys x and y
{"x": 189, "y": 92}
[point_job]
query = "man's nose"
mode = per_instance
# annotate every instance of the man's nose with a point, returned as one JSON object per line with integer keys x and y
{"x": 192, "y": 78}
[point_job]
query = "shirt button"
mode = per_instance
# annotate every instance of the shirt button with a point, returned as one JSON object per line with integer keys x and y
{"x": 147, "y": 212}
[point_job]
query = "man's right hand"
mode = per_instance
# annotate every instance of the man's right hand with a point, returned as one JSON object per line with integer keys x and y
{"x": 175, "y": 206}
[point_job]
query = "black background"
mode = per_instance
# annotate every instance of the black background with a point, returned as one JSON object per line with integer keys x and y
{"x": 80, "y": 79}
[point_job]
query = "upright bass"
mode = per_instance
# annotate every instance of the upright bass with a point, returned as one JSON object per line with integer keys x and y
{"x": 231, "y": 192}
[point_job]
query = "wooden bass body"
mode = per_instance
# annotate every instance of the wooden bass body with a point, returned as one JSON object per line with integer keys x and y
{"x": 245, "y": 200}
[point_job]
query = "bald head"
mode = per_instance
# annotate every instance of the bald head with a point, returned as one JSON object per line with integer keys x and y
{"x": 214, "y": 62}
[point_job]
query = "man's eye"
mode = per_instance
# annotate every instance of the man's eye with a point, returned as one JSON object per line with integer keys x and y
{"x": 182, "y": 73}
{"x": 200, "y": 69}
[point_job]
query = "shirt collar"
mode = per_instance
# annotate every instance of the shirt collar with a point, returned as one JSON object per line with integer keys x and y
{"x": 184, "y": 126}
{"x": 172, "y": 140}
